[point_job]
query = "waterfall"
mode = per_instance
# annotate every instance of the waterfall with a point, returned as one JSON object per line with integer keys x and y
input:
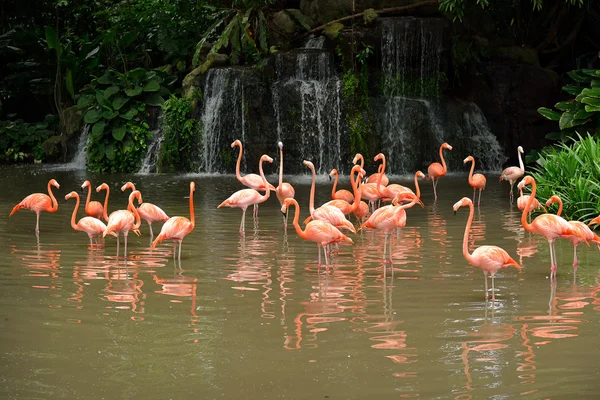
{"x": 315, "y": 42}
{"x": 153, "y": 152}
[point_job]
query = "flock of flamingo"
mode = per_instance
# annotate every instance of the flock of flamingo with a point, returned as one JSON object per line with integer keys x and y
{"x": 325, "y": 222}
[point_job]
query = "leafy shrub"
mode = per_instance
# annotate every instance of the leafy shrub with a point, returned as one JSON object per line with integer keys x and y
{"x": 116, "y": 107}
{"x": 572, "y": 172}
{"x": 20, "y": 140}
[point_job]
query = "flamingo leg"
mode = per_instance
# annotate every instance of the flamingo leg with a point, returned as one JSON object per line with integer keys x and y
{"x": 125, "y": 253}
{"x": 553, "y": 265}
{"x": 434, "y": 191}
{"x": 493, "y": 290}
{"x": 151, "y": 233}
{"x": 474, "y": 191}
{"x": 326, "y": 258}
{"x": 511, "y": 190}
{"x": 255, "y": 210}
{"x": 479, "y": 201}
{"x": 242, "y": 225}
{"x": 319, "y": 252}
{"x": 37, "y": 224}
{"x": 486, "y": 285}
{"x": 179, "y": 256}
{"x": 118, "y": 243}
{"x": 575, "y": 260}
{"x": 384, "y": 247}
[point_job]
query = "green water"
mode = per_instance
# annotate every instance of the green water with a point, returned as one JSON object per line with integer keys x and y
{"x": 252, "y": 317}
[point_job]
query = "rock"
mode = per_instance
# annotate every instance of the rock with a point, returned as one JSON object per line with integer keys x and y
{"x": 72, "y": 121}
{"x": 191, "y": 81}
{"x": 284, "y": 22}
{"x": 521, "y": 54}
{"x": 53, "y": 147}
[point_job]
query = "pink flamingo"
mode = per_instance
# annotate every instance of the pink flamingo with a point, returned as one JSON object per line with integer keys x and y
{"x": 284, "y": 190}
{"x": 436, "y": 170}
{"x": 177, "y": 228}
{"x": 123, "y": 221}
{"x": 331, "y": 214}
{"x": 489, "y": 258}
{"x": 522, "y": 202}
{"x": 594, "y": 221}
{"x": 342, "y": 194}
{"x": 148, "y": 211}
{"x": 549, "y": 226}
{"x": 512, "y": 174}
{"x": 344, "y": 206}
{"x": 578, "y": 226}
{"x": 387, "y": 218}
{"x": 374, "y": 178}
{"x": 251, "y": 181}
{"x": 477, "y": 181}
{"x": 243, "y": 198}
{"x": 104, "y": 186}
{"x": 359, "y": 158}
{"x": 92, "y": 208}
{"x": 390, "y": 191}
{"x": 90, "y": 225}
{"x": 370, "y": 191}
{"x": 318, "y": 231}
{"x": 38, "y": 202}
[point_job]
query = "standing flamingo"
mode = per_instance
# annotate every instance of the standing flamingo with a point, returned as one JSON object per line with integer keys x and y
{"x": 251, "y": 181}
{"x": 477, "y": 181}
{"x": 243, "y": 198}
{"x": 148, "y": 211}
{"x": 436, "y": 170}
{"x": 512, "y": 174}
{"x": 38, "y": 202}
{"x": 374, "y": 178}
{"x": 318, "y": 231}
{"x": 177, "y": 228}
{"x": 359, "y": 158}
{"x": 344, "y": 206}
{"x": 104, "y": 186}
{"x": 549, "y": 226}
{"x": 342, "y": 194}
{"x": 489, "y": 258}
{"x": 92, "y": 208}
{"x": 284, "y": 190}
{"x": 123, "y": 221}
{"x": 90, "y": 225}
{"x": 577, "y": 225}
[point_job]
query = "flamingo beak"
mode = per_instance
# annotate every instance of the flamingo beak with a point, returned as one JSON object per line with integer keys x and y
{"x": 454, "y": 212}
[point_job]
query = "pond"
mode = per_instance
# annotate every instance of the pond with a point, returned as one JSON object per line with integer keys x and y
{"x": 254, "y": 317}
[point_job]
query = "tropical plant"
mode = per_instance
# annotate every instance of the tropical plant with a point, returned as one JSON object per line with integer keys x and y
{"x": 571, "y": 171}
{"x": 21, "y": 140}
{"x": 115, "y": 104}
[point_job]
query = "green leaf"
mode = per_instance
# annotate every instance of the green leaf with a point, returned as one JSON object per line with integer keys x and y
{"x": 134, "y": 91}
{"x": 91, "y": 116}
{"x": 566, "y": 105}
{"x": 98, "y": 128}
{"x": 154, "y": 100}
{"x": 298, "y": 16}
{"x": 592, "y": 101}
{"x": 84, "y": 101}
{"x": 128, "y": 38}
{"x": 100, "y": 99}
{"x": 554, "y": 136}
{"x": 220, "y": 18}
{"x": 119, "y": 133}
{"x": 119, "y": 101}
{"x": 170, "y": 80}
{"x": 596, "y": 83}
{"x": 152, "y": 86}
{"x": 550, "y": 114}
{"x": 579, "y": 77}
{"x": 333, "y": 30}
{"x": 572, "y": 89}
{"x": 137, "y": 73}
{"x": 262, "y": 32}
{"x": 109, "y": 150}
{"x": 582, "y": 114}
{"x": 369, "y": 15}
{"x": 109, "y": 114}
{"x": 52, "y": 39}
{"x": 110, "y": 91}
{"x": 105, "y": 79}
{"x": 592, "y": 92}
{"x": 132, "y": 112}
{"x": 590, "y": 72}
{"x": 92, "y": 53}
{"x": 592, "y": 108}
{"x": 69, "y": 83}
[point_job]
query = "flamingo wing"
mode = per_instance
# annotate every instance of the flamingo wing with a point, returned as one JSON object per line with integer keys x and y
{"x": 435, "y": 170}
{"x": 241, "y": 199}
{"x": 152, "y": 213}
{"x": 492, "y": 258}
{"x": 35, "y": 202}
{"x": 91, "y": 225}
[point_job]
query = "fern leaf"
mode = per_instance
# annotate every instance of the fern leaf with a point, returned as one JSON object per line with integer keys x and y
{"x": 236, "y": 46}
{"x": 262, "y": 31}
{"x": 223, "y": 40}
{"x": 298, "y": 16}
{"x": 208, "y": 32}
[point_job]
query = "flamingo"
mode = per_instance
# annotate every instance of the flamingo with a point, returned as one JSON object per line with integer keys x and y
{"x": 123, "y": 221}
{"x": 370, "y": 191}
{"x": 38, "y": 202}
{"x": 477, "y": 181}
{"x": 243, "y": 198}
{"x": 594, "y": 221}
{"x": 104, "y": 186}
{"x": 387, "y": 218}
{"x": 489, "y": 258}
{"x": 522, "y": 202}
{"x": 251, "y": 181}
{"x": 284, "y": 190}
{"x": 318, "y": 231}
{"x": 92, "y": 208}
{"x": 148, "y": 211}
{"x": 90, "y": 225}
{"x": 339, "y": 194}
{"x": 359, "y": 158}
{"x": 436, "y": 170}
{"x": 331, "y": 214}
{"x": 390, "y": 191}
{"x": 374, "y": 178}
{"x": 577, "y": 225}
{"x": 177, "y": 228}
{"x": 512, "y": 174}
{"x": 549, "y": 226}
{"x": 343, "y": 205}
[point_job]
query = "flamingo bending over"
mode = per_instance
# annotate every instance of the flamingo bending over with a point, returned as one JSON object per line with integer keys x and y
{"x": 512, "y": 174}
{"x": 90, "y": 225}
{"x": 436, "y": 170}
{"x": 92, "y": 208}
{"x": 577, "y": 225}
{"x": 549, "y": 226}
{"x": 489, "y": 258}
{"x": 375, "y": 178}
{"x": 243, "y": 198}
{"x": 148, "y": 211}
{"x": 522, "y": 202}
{"x": 123, "y": 221}
{"x": 343, "y": 205}
{"x": 318, "y": 231}
{"x": 477, "y": 181}
{"x": 38, "y": 202}
{"x": 284, "y": 190}
{"x": 388, "y": 192}
{"x": 105, "y": 215}
{"x": 177, "y": 228}
{"x": 342, "y": 194}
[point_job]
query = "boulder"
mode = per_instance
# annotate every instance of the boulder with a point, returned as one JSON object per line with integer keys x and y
{"x": 520, "y": 54}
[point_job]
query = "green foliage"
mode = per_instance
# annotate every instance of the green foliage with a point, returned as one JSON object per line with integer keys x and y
{"x": 182, "y": 135}
{"x": 20, "y": 140}
{"x": 456, "y": 8}
{"x": 116, "y": 106}
{"x": 572, "y": 172}
{"x": 369, "y": 15}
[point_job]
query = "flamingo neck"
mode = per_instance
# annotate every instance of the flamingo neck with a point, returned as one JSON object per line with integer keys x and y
{"x": 89, "y": 196}
{"x": 356, "y": 190}
{"x": 192, "y": 216}
{"x": 131, "y": 208}
{"x": 521, "y": 165}
{"x": 444, "y": 170}
{"x": 311, "y": 206}
{"x": 74, "y": 216}
{"x": 280, "y": 167}
{"x": 105, "y": 211}
{"x": 262, "y": 175}
{"x": 335, "y": 182}
{"x": 417, "y": 188}
{"x": 361, "y": 160}
{"x": 239, "y": 162}
{"x": 560, "y": 206}
{"x": 524, "y": 221}
{"x": 54, "y": 202}
{"x": 465, "y": 247}
{"x": 299, "y": 230}
{"x": 471, "y": 173}
{"x": 383, "y": 165}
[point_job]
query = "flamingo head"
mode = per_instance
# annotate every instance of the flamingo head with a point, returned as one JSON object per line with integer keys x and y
{"x": 266, "y": 158}
{"x": 333, "y": 173}
{"x": 85, "y": 184}
{"x": 465, "y": 201}
{"x": 309, "y": 164}
{"x": 378, "y": 157}
{"x": 71, "y": 195}
{"x": 520, "y": 149}
{"x": 595, "y": 221}
{"x": 553, "y": 199}
{"x": 420, "y": 174}
{"x": 446, "y": 146}
{"x": 356, "y": 158}
{"x": 193, "y": 186}
{"x": 280, "y": 145}
{"x": 466, "y": 160}
{"x": 528, "y": 180}
{"x": 286, "y": 204}
{"x": 407, "y": 196}
{"x": 54, "y": 183}
{"x": 135, "y": 195}
{"x": 128, "y": 185}
{"x": 236, "y": 143}
{"x": 104, "y": 186}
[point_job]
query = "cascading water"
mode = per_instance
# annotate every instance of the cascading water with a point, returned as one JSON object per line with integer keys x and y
{"x": 79, "y": 160}
{"x": 315, "y": 42}
{"x": 153, "y": 152}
